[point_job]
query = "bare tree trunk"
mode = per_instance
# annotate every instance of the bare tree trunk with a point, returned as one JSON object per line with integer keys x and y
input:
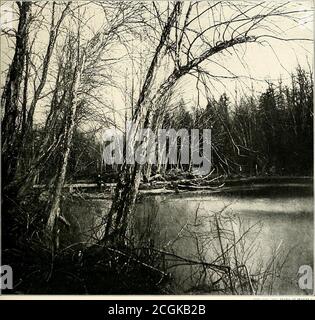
{"x": 50, "y": 142}
{"x": 69, "y": 128}
{"x": 10, "y": 97}
{"x": 130, "y": 175}
{"x": 53, "y": 34}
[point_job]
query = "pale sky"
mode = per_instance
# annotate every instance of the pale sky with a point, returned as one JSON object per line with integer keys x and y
{"x": 262, "y": 63}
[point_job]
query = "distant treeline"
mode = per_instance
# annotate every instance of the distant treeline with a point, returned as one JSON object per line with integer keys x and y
{"x": 266, "y": 134}
{"x": 271, "y": 133}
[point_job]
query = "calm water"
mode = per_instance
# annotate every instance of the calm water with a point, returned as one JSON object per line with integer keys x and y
{"x": 282, "y": 215}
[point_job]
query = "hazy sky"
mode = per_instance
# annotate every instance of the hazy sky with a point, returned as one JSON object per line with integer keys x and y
{"x": 253, "y": 63}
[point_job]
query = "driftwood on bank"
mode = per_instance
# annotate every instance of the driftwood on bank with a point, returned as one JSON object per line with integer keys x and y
{"x": 154, "y": 186}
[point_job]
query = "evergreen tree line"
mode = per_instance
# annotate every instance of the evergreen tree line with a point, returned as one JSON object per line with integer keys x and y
{"x": 266, "y": 134}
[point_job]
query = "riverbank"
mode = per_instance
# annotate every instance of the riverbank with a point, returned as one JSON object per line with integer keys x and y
{"x": 279, "y": 220}
{"x": 240, "y": 185}
{"x": 170, "y": 239}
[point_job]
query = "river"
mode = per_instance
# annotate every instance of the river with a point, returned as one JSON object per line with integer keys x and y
{"x": 280, "y": 218}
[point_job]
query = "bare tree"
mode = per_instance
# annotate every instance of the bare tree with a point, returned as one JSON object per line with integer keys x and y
{"x": 86, "y": 77}
{"x": 11, "y": 95}
{"x": 53, "y": 34}
{"x": 67, "y": 134}
{"x": 190, "y": 41}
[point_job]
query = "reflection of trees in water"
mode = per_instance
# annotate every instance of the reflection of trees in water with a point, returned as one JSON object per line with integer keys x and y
{"x": 209, "y": 252}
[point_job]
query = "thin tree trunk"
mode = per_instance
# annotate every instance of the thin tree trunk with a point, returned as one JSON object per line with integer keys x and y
{"x": 50, "y": 142}
{"x": 27, "y": 134}
{"x": 69, "y": 128}
{"x": 130, "y": 175}
{"x": 53, "y": 34}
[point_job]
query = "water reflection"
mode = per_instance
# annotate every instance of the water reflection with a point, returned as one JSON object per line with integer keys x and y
{"x": 285, "y": 222}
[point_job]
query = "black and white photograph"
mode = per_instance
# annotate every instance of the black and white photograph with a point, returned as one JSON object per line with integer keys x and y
{"x": 157, "y": 148}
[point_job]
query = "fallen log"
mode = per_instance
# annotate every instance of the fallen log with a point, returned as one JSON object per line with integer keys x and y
{"x": 195, "y": 187}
